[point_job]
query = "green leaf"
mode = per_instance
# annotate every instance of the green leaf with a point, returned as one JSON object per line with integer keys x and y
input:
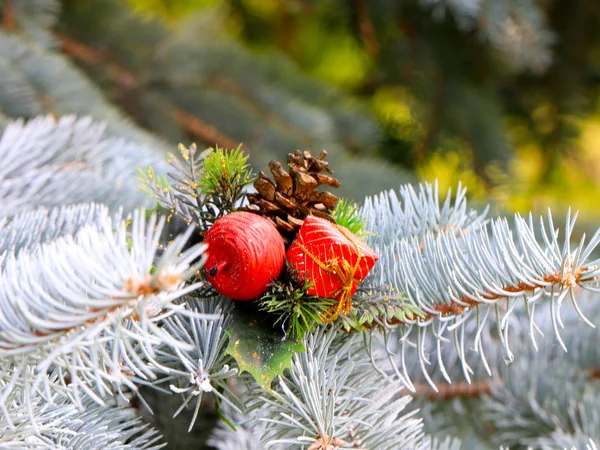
{"x": 258, "y": 348}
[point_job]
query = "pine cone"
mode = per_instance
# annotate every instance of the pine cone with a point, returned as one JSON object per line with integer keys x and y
{"x": 293, "y": 195}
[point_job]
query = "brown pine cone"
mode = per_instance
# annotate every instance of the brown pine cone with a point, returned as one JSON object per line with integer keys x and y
{"x": 293, "y": 195}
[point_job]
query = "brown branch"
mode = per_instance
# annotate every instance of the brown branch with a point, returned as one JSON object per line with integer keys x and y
{"x": 366, "y": 28}
{"x": 464, "y": 389}
{"x": 566, "y": 280}
{"x": 202, "y": 130}
{"x": 461, "y": 389}
{"x": 327, "y": 443}
{"x": 229, "y": 86}
{"x": 136, "y": 285}
{"x": 93, "y": 57}
{"x": 570, "y": 279}
{"x": 8, "y": 16}
{"x": 128, "y": 80}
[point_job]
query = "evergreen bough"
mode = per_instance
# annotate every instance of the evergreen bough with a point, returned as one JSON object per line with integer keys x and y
{"x": 96, "y": 314}
{"x": 102, "y": 306}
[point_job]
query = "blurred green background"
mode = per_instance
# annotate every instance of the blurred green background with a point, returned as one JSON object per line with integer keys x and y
{"x": 500, "y": 94}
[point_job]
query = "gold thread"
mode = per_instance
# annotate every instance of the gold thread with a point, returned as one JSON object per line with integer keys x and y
{"x": 345, "y": 272}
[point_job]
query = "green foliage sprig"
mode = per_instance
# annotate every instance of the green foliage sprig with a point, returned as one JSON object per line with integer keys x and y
{"x": 378, "y": 308}
{"x": 346, "y": 214}
{"x": 224, "y": 174}
{"x": 204, "y": 186}
{"x": 296, "y": 311}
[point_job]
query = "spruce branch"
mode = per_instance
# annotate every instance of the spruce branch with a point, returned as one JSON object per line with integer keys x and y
{"x": 548, "y": 395}
{"x": 204, "y": 368}
{"x": 327, "y": 401}
{"x": 88, "y": 308}
{"x": 49, "y": 83}
{"x": 128, "y": 80}
{"x": 578, "y": 439}
{"x": 444, "y": 443}
{"x": 378, "y": 308}
{"x": 244, "y": 435}
{"x": 454, "y": 268}
{"x": 390, "y": 216}
{"x": 50, "y": 162}
{"x": 448, "y": 275}
{"x": 60, "y": 424}
{"x": 33, "y": 19}
{"x": 44, "y": 225}
{"x": 249, "y": 429}
{"x": 225, "y": 173}
{"x": 201, "y": 129}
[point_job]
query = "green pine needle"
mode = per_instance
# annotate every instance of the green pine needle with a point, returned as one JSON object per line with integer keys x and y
{"x": 225, "y": 173}
{"x": 297, "y": 312}
{"x": 377, "y": 307}
{"x": 347, "y": 215}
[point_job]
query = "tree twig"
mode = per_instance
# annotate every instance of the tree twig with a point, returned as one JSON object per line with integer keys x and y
{"x": 460, "y": 389}
{"x": 568, "y": 279}
{"x": 366, "y": 28}
{"x": 202, "y": 130}
{"x": 88, "y": 55}
{"x": 128, "y": 80}
{"x": 8, "y": 16}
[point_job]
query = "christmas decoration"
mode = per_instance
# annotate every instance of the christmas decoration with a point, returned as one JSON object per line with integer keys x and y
{"x": 333, "y": 260}
{"x": 297, "y": 312}
{"x": 293, "y": 195}
{"x": 245, "y": 254}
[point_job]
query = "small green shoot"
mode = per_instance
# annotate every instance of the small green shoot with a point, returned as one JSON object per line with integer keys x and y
{"x": 346, "y": 214}
{"x": 296, "y": 311}
{"x": 224, "y": 173}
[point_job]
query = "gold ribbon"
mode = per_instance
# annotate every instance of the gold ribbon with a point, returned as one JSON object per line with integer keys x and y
{"x": 344, "y": 271}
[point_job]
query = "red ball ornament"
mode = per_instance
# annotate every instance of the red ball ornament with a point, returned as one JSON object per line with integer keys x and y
{"x": 245, "y": 254}
{"x": 333, "y": 259}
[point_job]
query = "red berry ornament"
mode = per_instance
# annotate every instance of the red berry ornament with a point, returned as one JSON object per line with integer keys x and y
{"x": 333, "y": 259}
{"x": 245, "y": 253}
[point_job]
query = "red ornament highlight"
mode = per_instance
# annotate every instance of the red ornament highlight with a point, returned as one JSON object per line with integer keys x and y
{"x": 245, "y": 253}
{"x": 333, "y": 259}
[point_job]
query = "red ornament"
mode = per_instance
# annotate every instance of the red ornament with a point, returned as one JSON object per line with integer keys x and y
{"x": 245, "y": 253}
{"x": 333, "y": 259}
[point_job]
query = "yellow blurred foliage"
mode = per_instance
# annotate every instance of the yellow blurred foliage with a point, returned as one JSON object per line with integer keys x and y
{"x": 265, "y": 9}
{"x": 575, "y": 183}
{"x": 171, "y": 10}
{"x": 392, "y": 104}
{"x": 450, "y": 168}
{"x": 343, "y": 62}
